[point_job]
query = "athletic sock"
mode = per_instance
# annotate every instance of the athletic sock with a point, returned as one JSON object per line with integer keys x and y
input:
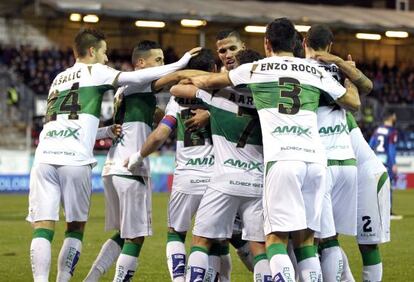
{"x": 347, "y": 273}
{"x": 176, "y": 256}
{"x": 225, "y": 264}
{"x": 69, "y": 255}
{"x": 214, "y": 263}
{"x": 40, "y": 253}
{"x": 127, "y": 261}
{"x": 280, "y": 264}
{"x": 331, "y": 260}
{"x": 309, "y": 267}
{"x": 109, "y": 253}
{"x": 262, "y": 271}
{"x": 243, "y": 251}
{"x": 291, "y": 254}
{"x": 197, "y": 264}
{"x": 372, "y": 270}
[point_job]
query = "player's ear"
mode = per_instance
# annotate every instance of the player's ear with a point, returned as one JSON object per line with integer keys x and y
{"x": 267, "y": 47}
{"x": 91, "y": 51}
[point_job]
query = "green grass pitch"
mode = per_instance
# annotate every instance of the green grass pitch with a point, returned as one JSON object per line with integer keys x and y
{"x": 15, "y": 237}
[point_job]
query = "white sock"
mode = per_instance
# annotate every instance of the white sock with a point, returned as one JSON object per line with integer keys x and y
{"x": 40, "y": 256}
{"x": 108, "y": 254}
{"x": 125, "y": 267}
{"x": 225, "y": 268}
{"x": 68, "y": 258}
{"x": 197, "y": 265}
{"x": 292, "y": 256}
{"x": 310, "y": 270}
{"x": 332, "y": 263}
{"x": 176, "y": 256}
{"x": 372, "y": 273}
{"x": 262, "y": 271}
{"x": 347, "y": 273}
{"x": 214, "y": 263}
{"x": 282, "y": 268}
{"x": 245, "y": 256}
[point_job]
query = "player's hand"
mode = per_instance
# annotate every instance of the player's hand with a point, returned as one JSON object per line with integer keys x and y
{"x": 350, "y": 61}
{"x": 199, "y": 120}
{"x": 195, "y": 51}
{"x": 326, "y": 57}
{"x": 116, "y": 130}
{"x": 348, "y": 83}
{"x": 135, "y": 160}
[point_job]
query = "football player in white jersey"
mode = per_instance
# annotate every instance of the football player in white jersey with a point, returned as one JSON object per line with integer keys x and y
{"x": 286, "y": 93}
{"x": 61, "y": 173}
{"x": 340, "y": 201}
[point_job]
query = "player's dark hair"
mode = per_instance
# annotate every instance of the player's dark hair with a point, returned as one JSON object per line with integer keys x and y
{"x": 247, "y": 56}
{"x": 142, "y": 48}
{"x": 227, "y": 33}
{"x": 319, "y": 37}
{"x": 298, "y": 50}
{"x": 388, "y": 113}
{"x": 203, "y": 61}
{"x": 87, "y": 38}
{"x": 281, "y": 35}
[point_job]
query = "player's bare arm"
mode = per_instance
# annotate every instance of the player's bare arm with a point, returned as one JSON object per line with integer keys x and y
{"x": 174, "y": 78}
{"x": 350, "y": 100}
{"x": 211, "y": 81}
{"x": 184, "y": 91}
{"x": 363, "y": 83}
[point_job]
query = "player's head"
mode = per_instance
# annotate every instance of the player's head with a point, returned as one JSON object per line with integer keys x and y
{"x": 298, "y": 50}
{"x": 228, "y": 43}
{"x": 203, "y": 61}
{"x": 147, "y": 54}
{"x": 247, "y": 56}
{"x": 90, "y": 46}
{"x": 279, "y": 37}
{"x": 318, "y": 38}
{"x": 390, "y": 117}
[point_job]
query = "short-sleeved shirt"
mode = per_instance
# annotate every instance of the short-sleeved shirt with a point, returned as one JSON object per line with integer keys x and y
{"x": 286, "y": 93}
{"x": 72, "y": 118}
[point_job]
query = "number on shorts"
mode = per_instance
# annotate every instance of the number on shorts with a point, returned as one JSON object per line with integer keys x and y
{"x": 254, "y": 122}
{"x": 367, "y": 222}
{"x": 292, "y": 94}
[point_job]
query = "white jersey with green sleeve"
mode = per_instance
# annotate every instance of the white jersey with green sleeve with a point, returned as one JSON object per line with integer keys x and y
{"x": 332, "y": 124}
{"x": 134, "y": 109}
{"x": 237, "y": 139}
{"x": 194, "y": 155}
{"x": 72, "y": 118}
{"x": 286, "y": 93}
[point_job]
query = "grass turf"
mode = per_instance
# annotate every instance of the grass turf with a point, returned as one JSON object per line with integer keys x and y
{"x": 15, "y": 237}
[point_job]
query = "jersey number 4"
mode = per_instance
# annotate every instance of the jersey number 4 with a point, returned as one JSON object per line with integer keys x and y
{"x": 292, "y": 94}
{"x": 69, "y": 104}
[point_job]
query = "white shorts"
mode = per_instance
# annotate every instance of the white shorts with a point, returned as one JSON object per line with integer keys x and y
{"x": 340, "y": 202}
{"x": 292, "y": 198}
{"x": 217, "y": 211}
{"x": 181, "y": 209}
{"x": 373, "y": 214}
{"x": 128, "y": 205}
{"x": 51, "y": 185}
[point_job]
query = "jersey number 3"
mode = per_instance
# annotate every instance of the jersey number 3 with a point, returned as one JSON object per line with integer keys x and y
{"x": 292, "y": 94}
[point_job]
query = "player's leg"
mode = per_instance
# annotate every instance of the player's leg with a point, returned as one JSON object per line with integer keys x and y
{"x": 347, "y": 275}
{"x": 225, "y": 262}
{"x": 76, "y": 192}
{"x": 111, "y": 249}
{"x": 44, "y": 199}
{"x": 134, "y": 193}
{"x": 242, "y": 246}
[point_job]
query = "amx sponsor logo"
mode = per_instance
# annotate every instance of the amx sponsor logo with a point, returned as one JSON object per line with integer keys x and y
{"x": 331, "y": 130}
{"x": 64, "y": 133}
{"x": 248, "y": 166}
{"x": 292, "y": 130}
{"x": 206, "y": 161}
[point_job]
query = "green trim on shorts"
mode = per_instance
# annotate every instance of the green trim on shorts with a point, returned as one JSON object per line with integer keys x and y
{"x": 372, "y": 257}
{"x": 381, "y": 181}
{"x": 198, "y": 249}
{"x": 258, "y": 258}
{"x": 117, "y": 238}
{"x": 305, "y": 252}
{"x": 329, "y": 244}
{"x": 276, "y": 249}
{"x": 269, "y": 166}
{"x": 74, "y": 234}
{"x": 131, "y": 249}
{"x": 133, "y": 177}
{"x": 224, "y": 250}
{"x": 43, "y": 233}
{"x": 347, "y": 162}
{"x": 214, "y": 250}
{"x": 175, "y": 236}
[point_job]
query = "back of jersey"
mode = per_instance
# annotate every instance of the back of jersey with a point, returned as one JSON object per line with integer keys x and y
{"x": 72, "y": 118}
{"x": 383, "y": 142}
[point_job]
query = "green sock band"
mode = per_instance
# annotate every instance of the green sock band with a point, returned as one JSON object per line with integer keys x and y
{"x": 74, "y": 234}
{"x": 117, "y": 238}
{"x": 43, "y": 233}
{"x": 276, "y": 249}
{"x": 258, "y": 258}
{"x": 371, "y": 257}
{"x": 329, "y": 244}
{"x": 198, "y": 249}
{"x": 214, "y": 249}
{"x": 224, "y": 250}
{"x": 174, "y": 236}
{"x": 305, "y": 252}
{"x": 131, "y": 249}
